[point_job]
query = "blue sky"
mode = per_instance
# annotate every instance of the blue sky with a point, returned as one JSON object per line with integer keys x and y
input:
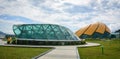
{"x": 73, "y": 14}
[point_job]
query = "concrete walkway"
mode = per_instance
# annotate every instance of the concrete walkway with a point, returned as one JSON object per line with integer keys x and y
{"x": 66, "y": 52}
{"x": 60, "y": 52}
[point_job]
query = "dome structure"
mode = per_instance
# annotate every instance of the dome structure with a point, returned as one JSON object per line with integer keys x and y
{"x": 95, "y": 30}
{"x": 42, "y": 33}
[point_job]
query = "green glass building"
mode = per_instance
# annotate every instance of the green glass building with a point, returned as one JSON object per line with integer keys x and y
{"x": 45, "y": 34}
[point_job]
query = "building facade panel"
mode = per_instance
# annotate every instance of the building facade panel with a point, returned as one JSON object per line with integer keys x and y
{"x": 81, "y": 31}
{"x": 91, "y": 29}
{"x": 101, "y": 28}
{"x": 95, "y": 30}
{"x": 43, "y": 32}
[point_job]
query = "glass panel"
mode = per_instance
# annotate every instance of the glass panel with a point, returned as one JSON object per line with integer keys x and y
{"x": 43, "y": 32}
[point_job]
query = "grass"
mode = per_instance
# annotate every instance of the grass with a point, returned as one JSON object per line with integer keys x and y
{"x": 111, "y": 50}
{"x": 20, "y": 52}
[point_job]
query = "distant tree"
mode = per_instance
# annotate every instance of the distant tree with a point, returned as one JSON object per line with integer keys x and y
{"x": 118, "y": 31}
{"x": 113, "y": 36}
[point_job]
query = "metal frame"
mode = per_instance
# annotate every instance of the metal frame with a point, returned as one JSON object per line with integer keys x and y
{"x": 44, "y": 31}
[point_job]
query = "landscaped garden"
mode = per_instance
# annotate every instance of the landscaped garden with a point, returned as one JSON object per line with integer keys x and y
{"x": 111, "y": 50}
{"x": 20, "y": 52}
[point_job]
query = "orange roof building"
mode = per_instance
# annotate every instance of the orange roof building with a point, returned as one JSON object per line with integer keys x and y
{"x": 95, "y": 30}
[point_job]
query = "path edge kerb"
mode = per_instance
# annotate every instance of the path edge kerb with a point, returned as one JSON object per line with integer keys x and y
{"x": 89, "y": 44}
{"x": 35, "y": 57}
{"x": 43, "y": 53}
{"x": 77, "y": 52}
{"x": 78, "y": 55}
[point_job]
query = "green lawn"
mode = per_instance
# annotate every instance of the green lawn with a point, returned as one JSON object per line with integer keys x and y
{"x": 111, "y": 50}
{"x": 20, "y": 52}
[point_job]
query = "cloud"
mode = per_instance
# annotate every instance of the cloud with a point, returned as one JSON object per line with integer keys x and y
{"x": 77, "y": 2}
{"x": 6, "y": 26}
{"x": 114, "y": 26}
{"x": 14, "y": 18}
{"x": 73, "y": 14}
{"x": 79, "y": 9}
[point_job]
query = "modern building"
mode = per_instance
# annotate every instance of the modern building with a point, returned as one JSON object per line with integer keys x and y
{"x": 44, "y": 34}
{"x": 95, "y": 30}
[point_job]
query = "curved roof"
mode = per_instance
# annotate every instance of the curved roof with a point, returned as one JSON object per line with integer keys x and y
{"x": 92, "y": 28}
{"x": 44, "y": 32}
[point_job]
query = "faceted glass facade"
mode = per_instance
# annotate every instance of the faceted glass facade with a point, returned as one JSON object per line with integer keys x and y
{"x": 45, "y": 32}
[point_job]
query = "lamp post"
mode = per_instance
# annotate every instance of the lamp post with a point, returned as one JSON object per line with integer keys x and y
{"x": 102, "y": 49}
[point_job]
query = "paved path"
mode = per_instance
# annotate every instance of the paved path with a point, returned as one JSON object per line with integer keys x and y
{"x": 60, "y": 52}
{"x": 66, "y": 52}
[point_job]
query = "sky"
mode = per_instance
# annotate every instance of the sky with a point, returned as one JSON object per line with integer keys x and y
{"x": 73, "y": 14}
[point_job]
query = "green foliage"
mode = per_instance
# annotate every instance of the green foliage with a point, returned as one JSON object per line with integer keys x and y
{"x": 20, "y": 52}
{"x": 111, "y": 50}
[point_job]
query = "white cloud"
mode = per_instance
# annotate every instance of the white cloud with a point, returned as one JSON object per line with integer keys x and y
{"x": 11, "y": 21}
{"x": 107, "y": 14}
{"x": 6, "y": 25}
{"x": 114, "y": 26}
{"x": 77, "y": 2}
{"x": 111, "y": 16}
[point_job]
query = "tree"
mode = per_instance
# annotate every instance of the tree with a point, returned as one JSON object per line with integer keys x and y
{"x": 118, "y": 31}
